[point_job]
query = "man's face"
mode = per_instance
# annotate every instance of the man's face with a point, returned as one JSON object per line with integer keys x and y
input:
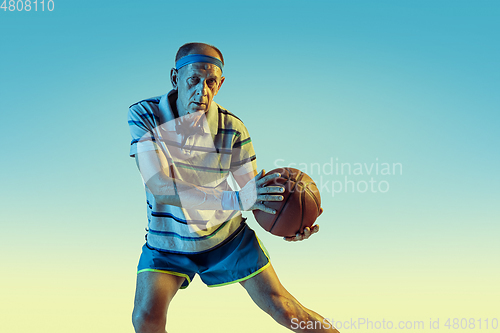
{"x": 197, "y": 84}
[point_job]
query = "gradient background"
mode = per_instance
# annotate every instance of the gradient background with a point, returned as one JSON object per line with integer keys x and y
{"x": 410, "y": 82}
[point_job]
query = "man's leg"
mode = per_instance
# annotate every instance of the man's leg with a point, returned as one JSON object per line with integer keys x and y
{"x": 153, "y": 294}
{"x": 269, "y": 294}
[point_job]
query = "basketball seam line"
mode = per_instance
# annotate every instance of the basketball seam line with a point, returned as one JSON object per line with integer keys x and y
{"x": 314, "y": 198}
{"x": 302, "y": 201}
{"x": 284, "y": 204}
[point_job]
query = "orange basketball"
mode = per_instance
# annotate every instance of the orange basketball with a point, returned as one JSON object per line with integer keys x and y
{"x": 300, "y": 206}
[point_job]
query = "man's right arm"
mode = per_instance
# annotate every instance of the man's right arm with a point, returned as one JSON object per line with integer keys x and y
{"x": 155, "y": 172}
{"x": 169, "y": 191}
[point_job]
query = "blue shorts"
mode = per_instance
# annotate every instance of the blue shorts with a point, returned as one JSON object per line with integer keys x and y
{"x": 237, "y": 260}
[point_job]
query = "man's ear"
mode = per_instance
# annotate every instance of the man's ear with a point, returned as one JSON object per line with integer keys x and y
{"x": 174, "y": 77}
{"x": 220, "y": 84}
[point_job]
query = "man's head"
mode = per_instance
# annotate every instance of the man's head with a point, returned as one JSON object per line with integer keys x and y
{"x": 198, "y": 81}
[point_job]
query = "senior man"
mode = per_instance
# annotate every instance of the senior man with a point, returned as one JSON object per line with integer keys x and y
{"x": 186, "y": 146}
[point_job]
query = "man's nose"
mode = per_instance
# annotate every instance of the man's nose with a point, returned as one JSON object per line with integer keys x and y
{"x": 202, "y": 88}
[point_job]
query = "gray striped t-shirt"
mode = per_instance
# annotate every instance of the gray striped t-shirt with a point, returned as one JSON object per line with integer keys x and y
{"x": 206, "y": 157}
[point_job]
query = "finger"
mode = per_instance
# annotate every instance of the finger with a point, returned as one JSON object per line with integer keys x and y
{"x": 270, "y": 189}
{"x": 290, "y": 239}
{"x": 264, "y": 208}
{"x": 260, "y": 175}
{"x": 269, "y": 197}
{"x": 267, "y": 178}
{"x": 307, "y": 233}
{"x": 314, "y": 229}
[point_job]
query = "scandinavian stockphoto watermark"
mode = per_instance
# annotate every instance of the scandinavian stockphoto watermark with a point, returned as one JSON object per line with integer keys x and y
{"x": 27, "y": 6}
{"x": 336, "y": 176}
{"x": 364, "y": 323}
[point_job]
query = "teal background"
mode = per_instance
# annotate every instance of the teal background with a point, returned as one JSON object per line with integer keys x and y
{"x": 410, "y": 82}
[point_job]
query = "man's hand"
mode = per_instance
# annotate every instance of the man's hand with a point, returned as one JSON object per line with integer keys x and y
{"x": 256, "y": 191}
{"x": 307, "y": 232}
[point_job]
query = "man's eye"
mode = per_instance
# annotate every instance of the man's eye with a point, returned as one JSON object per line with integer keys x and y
{"x": 211, "y": 82}
{"x": 193, "y": 80}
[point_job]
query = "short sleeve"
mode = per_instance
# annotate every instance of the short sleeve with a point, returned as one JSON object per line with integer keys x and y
{"x": 141, "y": 122}
{"x": 243, "y": 160}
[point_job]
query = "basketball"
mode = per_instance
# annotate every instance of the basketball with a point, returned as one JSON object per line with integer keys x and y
{"x": 300, "y": 206}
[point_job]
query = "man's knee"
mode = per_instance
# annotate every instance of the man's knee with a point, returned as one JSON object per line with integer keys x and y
{"x": 147, "y": 321}
{"x": 154, "y": 293}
